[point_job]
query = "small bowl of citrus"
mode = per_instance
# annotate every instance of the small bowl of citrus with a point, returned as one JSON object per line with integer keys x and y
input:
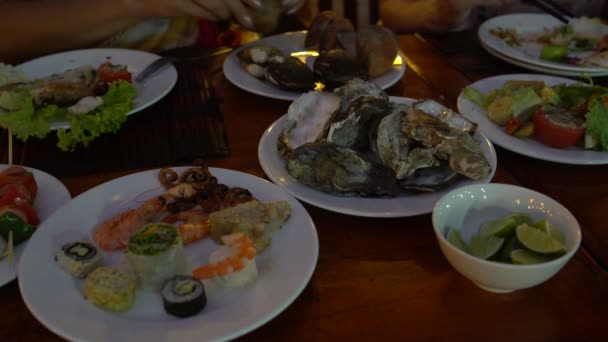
{"x": 504, "y": 237}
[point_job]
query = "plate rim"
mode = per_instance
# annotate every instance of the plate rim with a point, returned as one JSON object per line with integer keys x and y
{"x": 504, "y": 144}
{"x": 66, "y": 198}
{"x": 486, "y": 37}
{"x": 282, "y": 94}
{"x": 354, "y": 212}
{"x": 307, "y": 274}
{"x": 169, "y": 71}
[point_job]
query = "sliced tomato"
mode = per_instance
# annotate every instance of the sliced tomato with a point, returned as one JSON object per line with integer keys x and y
{"x": 557, "y": 127}
{"x": 10, "y": 192}
{"x": 13, "y": 170}
{"x": 24, "y": 209}
{"x": 109, "y": 72}
{"x": 27, "y": 179}
{"x": 512, "y": 126}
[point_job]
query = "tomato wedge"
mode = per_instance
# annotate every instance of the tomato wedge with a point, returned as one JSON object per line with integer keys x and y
{"x": 109, "y": 72}
{"x": 9, "y": 192}
{"x": 557, "y": 127}
{"x": 19, "y": 175}
{"x": 24, "y": 209}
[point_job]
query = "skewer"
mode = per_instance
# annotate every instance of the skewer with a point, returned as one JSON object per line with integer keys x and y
{"x": 552, "y": 8}
{"x": 10, "y": 147}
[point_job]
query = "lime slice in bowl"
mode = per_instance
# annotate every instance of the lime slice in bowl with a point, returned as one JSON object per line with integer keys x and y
{"x": 504, "y": 226}
{"x": 485, "y": 246}
{"x": 456, "y": 240}
{"x": 547, "y": 227}
{"x": 526, "y": 257}
{"x": 538, "y": 241}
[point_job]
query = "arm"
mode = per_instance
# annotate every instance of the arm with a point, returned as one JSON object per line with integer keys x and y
{"x": 425, "y": 15}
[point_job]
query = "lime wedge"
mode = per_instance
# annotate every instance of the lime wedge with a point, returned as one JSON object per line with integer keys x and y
{"x": 538, "y": 241}
{"x": 504, "y": 254}
{"x": 504, "y": 226}
{"x": 547, "y": 227}
{"x": 526, "y": 257}
{"x": 485, "y": 246}
{"x": 456, "y": 239}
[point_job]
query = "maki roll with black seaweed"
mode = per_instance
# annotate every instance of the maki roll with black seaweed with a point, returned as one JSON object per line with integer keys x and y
{"x": 78, "y": 258}
{"x": 183, "y": 296}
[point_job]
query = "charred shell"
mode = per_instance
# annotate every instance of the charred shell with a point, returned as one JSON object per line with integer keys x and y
{"x": 340, "y": 171}
{"x": 335, "y": 67}
{"x": 289, "y": 73}
{"x": 452, "y": 118}
{"x": 430, "y": 178}
{"x": 354, "y": 89}
{"x": 308, "y": 120}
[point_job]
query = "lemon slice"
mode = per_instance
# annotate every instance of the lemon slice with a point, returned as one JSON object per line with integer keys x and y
{"x": 526, "y": 257}
{"x": 456, "y": 239}
{"x": 504, "y": 226}
{"x": 538, "y": 241}
{"x": 547, "y": 227}
{"x": 485, "y": 246}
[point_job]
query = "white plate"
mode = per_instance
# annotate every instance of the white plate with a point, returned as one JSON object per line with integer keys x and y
{"x": 290, "y": 42}
{"x": 528, "y": 53}
{"x": 543, "y": 69}
{"x": 153, "y": 89}
{"x": 56, "y": 299}
{"x": 400, "y": 206}
{"x": 52, "y": 194}
{"x": 528, "y": 147}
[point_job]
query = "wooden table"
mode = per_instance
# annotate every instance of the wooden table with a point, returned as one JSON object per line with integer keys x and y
{"x": 386, "y": 279}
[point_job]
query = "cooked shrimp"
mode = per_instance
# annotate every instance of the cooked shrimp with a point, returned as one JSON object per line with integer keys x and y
{"x": 113, "y": 234}
{"x": 193, "y": 225}
{"x": 239, "y": 249}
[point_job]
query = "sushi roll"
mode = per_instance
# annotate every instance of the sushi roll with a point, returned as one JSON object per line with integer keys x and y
{"x": 156, "y": 254}
{"x": 183, "y": 296}
{"x": 232, "y": 264}
{"x": 109, "y": 289}
{"x": 78, "y": 258}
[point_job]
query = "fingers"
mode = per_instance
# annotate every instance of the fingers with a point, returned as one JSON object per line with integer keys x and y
{"x": 191, "y": 8}
{"x": 291, "y": 6}
{"x": 216, "y": 7}
{"x": 254, "y": 4}
{"x": 240, "y": 13}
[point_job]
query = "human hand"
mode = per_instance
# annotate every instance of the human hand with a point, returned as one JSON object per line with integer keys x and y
{"x": 212, "y": 10}
{"x": 291, "y": 6}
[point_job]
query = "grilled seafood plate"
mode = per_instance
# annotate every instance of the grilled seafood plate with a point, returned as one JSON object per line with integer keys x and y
{"x": 355, "y": 142}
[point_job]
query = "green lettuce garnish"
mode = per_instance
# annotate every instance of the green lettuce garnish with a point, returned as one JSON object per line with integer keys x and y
{"x": 597, "y": 123}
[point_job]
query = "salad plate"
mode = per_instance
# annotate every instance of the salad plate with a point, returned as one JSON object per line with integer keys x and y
{"x": 292, "y": 42}
{"x": 400, "y": 206}
{"x": 527, "y": 147}
{"x": 56, "y": 298}
{"x": 52, "y": 194}
{"x": 528, "y": 53}
{"x": 151, "y": 90}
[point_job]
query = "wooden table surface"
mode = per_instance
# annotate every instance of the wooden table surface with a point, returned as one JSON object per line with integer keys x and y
{"x": 386, "y": 279}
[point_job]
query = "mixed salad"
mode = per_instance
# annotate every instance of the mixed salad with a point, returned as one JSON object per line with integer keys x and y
{"x": 93, "y": 100}
{"x": 559, "y": 116}
{"x": 583, "y": 41}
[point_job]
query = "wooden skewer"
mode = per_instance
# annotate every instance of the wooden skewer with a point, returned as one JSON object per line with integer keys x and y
{"x": 10, "y": 147}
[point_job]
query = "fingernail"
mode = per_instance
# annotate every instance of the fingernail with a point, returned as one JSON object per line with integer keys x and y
{"x": 257, "y": 4}
{"x": 248, "y": 22}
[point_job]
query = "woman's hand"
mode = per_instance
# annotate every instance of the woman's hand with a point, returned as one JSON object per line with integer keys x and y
{"x": 291, "y": 6}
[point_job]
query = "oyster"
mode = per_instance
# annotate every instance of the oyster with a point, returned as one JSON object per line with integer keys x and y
{"x": 258, "y": 54}
{"x": 430, "y": 178}
{"x": 289, "y": 73}
{"x": 352, "y": 90}
{"x": 308, "y": 120}
{"x": 335, "y": 67}
{"x": 452, "y": 118}
{"x": 340, "y": 171}
{"x": 463, "y": 153}
{"x": 352, "y": 132}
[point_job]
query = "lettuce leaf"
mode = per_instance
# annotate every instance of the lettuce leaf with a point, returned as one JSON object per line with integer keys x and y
{"x": 474, "y": 96}
{"x": 28, "y": 122}
{"x": 107, "y": 118}
{"x": 597, "y": 123}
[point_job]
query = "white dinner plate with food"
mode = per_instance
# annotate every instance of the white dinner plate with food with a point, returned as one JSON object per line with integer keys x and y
{"x": 56, "y": 298}
{"x": 524, "y": 26}
{"x": 52, "y": 194}
{"x": 292, "y": 42}
{"x": 528, "y": 147}
{"x": 400, "y": 206}
{"x": 534, "y": 67}
{"x": 151, "y": 90}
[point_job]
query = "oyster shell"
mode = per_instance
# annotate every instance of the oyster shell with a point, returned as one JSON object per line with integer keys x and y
{"x": 430, "y": 178}
{"x": 308, "y": 120}
{"x": 335, "y": 67}
{"x": 258, "y": 54}
{"x": 452, "y": 118}
{"x": 289, "y": 73}
{"x": 353, "y": 89}
{"x": 340, "y": 171}
{"x": 353, "y": 131}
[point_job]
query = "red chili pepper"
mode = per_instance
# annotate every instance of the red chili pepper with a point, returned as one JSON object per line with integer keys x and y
{"x": 231, "y": 38}
{"x": 512, "y": 126}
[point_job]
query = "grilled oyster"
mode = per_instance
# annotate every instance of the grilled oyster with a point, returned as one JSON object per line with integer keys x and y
{"x": 352, "y": 132}
{"x": 430, "y": 178}
{"x": 308, "y": 120}
{"x": 254, "y": 59}
{"x": 352, "y": 90}
{"x": 452, "y": 118}
{"x": 340, "y": 171}
{"x": 335, "y": 67}
{"x": 289, "y": 73}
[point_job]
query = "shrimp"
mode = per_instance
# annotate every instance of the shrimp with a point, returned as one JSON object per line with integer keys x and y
{"x": 237, "y": 255}
{"x": 114, "y": 233}
{"x": 193, "y": 225}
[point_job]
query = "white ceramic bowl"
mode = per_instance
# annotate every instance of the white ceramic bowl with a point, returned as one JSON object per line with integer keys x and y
{"x": 468, "y": 207}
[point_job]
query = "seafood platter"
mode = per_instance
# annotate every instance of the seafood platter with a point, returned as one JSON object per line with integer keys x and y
{"x": 194, "y": 252}
{"x": 358, "y": 151}
{"x": 326, "y": 56}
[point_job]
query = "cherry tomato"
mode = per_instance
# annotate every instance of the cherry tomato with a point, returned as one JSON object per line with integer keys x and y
{"x": 19, "y": 175}
{"x": 24, "y": 209}
{"x": 9, "y": 192}
{"x": 557, "y": 127}
{"x": 512, "y": 126}
{"x": 109, "y": 72}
